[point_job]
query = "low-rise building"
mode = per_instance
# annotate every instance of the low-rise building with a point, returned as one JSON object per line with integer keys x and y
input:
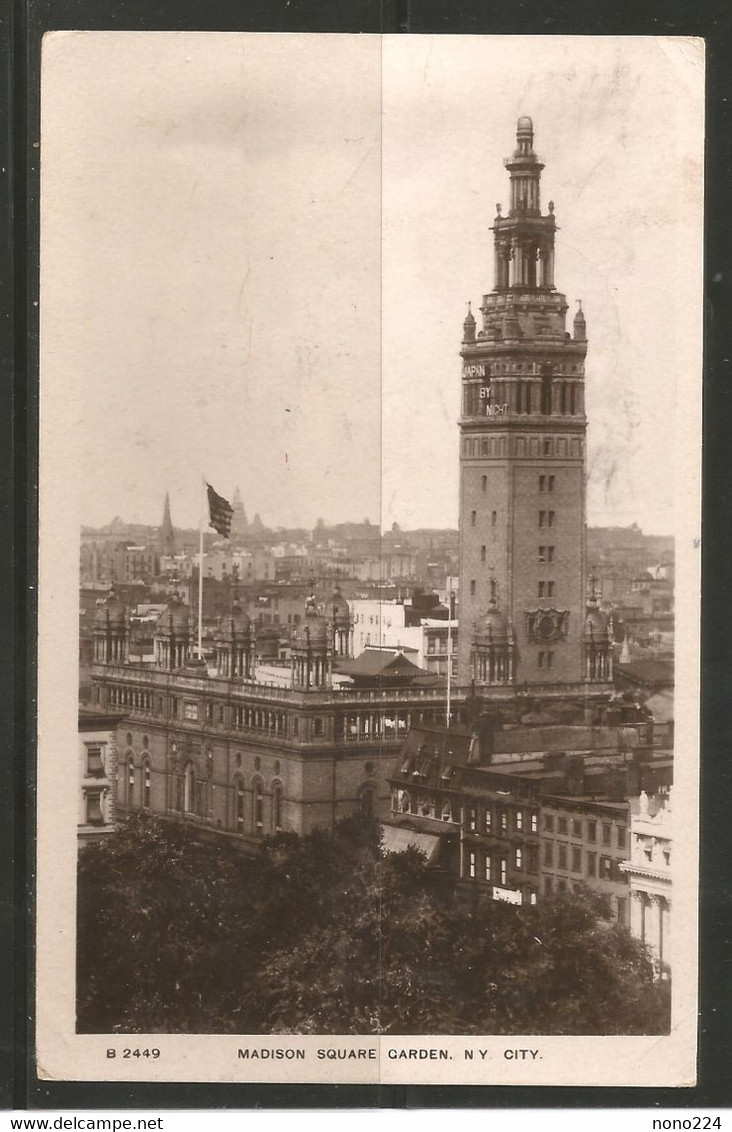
{"x": 649, "y": 873}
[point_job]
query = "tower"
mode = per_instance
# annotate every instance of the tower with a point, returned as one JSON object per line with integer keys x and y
{"x": 167, "y": 535}
{"x": 522, "y": 459}
{"x": 239, "y": 521}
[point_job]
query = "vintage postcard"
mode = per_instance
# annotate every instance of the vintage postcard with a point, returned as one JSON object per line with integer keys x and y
{"x": 369, "y": 558}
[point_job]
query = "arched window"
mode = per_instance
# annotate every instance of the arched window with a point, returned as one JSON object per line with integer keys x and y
{"x": 189, "y": 789}
{"x": 130, "y": 781}
{"x": 258, "y": 808}
{"x": 146, "y": 784}
{"x": 239, "y": 804}
{"x": 277, "y": 808}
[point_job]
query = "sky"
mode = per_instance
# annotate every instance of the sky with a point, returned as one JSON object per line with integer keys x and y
{"x": 257, "y": 252}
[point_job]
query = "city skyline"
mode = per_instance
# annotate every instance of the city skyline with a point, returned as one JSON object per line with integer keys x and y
{"x": 273, "y": 283}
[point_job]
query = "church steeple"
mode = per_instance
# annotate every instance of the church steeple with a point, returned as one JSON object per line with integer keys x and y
{"x": 167, "y": 535}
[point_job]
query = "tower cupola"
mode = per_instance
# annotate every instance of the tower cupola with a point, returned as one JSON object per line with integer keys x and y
{"x": 311, "y": 650}
{"x": 111, "y": 631}
{"x": 341, "y": 626}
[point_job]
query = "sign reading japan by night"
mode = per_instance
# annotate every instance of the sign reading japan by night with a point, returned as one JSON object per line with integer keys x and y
{"x": 477, "y": 369}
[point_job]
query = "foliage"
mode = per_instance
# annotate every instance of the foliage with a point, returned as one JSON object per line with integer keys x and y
{"x": 323, "y": 934}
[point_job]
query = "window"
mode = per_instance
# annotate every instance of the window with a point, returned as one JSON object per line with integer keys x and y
{"x": 592, "y": 831}
{"x": 472, "y": 587}
{"x": 295, "y": 725}
{"x": 471, "y": 864}
{"x": 503, "y": 821}
{"x": 258, "y": 809}
{"x": 576, "y": 827}
{"x": 519, "y": 819}
{"x": 576, "y": 859}
{"x": 606, "y": 868}
{"x": 621, "y": 837}
{"x": 549, "y": 853}
{"x": 533, "y": 858}
{"x": 550, "y": 483}
{"x": 431, "y": 644}
{"x": 550, "y": 589}
{"x": 542, "y": 518}
{"x": 487, "y": 821}
{"x": 494, "y": 518}
{"x": 484, "y": 483}
{"x": 190, "y": 711}
{"x": 550, "y": 554}
{"x": 472, "y": 818}
{"x": 542, "y": 483}
{"x": 473, "y": 516}
{"x": 549, "y": 822}
{"x": 482, "y": 553}
{"x": 318, "y": 728}
{"x": 130, "y": 781}
{"x": 547, "y": 447}
{"x": 542, "y": 588}
{"x": 94, "y": 763}
{"x": 542, "y": 555}
{"x": 221, "y": 714}
{"x": 94, "y": 815}
{"x": 189, "y": 784}
{"x": 592, "y": 864}
{"x": 503, "y": 863}
{"x": 548, "y": 885}
{"x": 209, "y": 712}
{"x": 487, "y": 867}
{"x": 606, "y": 831}
{"x": 519, "y": 858}
{"x": 621, "y": 905}
{"x": 174, "y": 706}
{"x": 239, "y": 805}
{"x": 550, "y": 518}
{"x": 534, "y": 821}
{"x": 562, "y": 886}
{"x": 562, "y": 856}
{"x": 562, "y": 826}
{"x": 146, "y": 784}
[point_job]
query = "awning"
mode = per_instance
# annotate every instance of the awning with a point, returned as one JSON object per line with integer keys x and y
{"x": 396, "y": 839}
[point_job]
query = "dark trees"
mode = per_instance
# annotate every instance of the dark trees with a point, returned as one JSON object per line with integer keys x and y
{"x": 323, "y": 935}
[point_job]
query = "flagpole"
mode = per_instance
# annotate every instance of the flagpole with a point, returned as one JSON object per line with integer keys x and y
{"x": 200, "y": 568}
{"x": 449, "y": 651}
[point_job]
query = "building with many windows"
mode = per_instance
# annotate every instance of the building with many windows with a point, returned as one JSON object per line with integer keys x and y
{"x": 245, "y": 747}
{"x": 516, "y": 813}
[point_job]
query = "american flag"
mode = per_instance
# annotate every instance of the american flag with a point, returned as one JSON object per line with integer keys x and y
{"x": 219, "y": 512}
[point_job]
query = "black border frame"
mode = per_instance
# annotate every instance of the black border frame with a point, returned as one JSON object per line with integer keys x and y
{"x": 20, "y": 36}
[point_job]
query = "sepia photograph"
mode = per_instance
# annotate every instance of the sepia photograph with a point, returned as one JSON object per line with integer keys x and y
{"x": 370, "y": 397}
